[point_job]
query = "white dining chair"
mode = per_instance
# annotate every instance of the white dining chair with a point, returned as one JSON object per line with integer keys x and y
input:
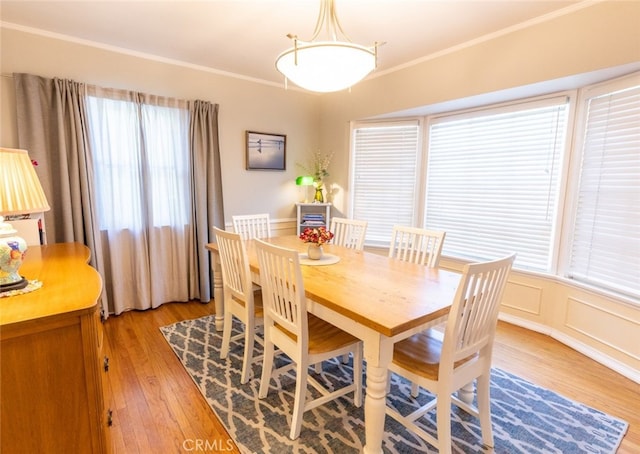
{"x": 303, "y": 337}
{"x": 251, "y": 226}
{"x": 349, "y": 233}
{"x": 464, "y": 354}
{"x": 416, "y": 245}
{"x": 240, "y": 299}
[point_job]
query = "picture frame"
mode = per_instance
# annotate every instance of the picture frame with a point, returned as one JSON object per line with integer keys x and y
{"x": 266, "y": 151}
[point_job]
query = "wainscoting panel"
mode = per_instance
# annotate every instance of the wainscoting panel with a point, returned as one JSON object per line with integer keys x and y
{"x": 279, "y": 227}
{"x": 601, "y": 326}
{"x": 523, "y": 297}
{"x": 596, "y": 322}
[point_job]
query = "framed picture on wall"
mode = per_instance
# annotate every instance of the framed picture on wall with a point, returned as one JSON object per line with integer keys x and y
{"x": 266, "y": 151}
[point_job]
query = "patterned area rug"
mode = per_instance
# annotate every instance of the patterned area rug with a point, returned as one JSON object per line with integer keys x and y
{"x": 526, "y": 418}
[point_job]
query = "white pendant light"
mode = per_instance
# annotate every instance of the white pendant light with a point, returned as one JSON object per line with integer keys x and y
{"x": 330, "y": 65}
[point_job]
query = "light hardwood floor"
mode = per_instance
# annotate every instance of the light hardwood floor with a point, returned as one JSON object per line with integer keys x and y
{"x": 158, "y": 409}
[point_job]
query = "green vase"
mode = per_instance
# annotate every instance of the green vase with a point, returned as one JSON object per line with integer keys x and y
{"x": 318, "y": 197}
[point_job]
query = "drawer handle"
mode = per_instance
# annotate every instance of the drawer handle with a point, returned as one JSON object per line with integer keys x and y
{"x": 109, "y": 418}
{"x": 106, "y": 364}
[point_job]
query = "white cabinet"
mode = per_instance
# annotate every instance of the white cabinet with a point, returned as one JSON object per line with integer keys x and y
{"x": 312, "y": 215}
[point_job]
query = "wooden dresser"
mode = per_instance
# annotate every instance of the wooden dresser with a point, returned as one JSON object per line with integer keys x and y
{"x": 53, "y": 382}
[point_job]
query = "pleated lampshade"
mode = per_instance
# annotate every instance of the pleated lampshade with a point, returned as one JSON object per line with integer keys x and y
{"x": 20, "y": 189}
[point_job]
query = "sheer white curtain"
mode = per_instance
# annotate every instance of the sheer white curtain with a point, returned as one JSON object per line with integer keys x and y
{"x": 140, "y": 152}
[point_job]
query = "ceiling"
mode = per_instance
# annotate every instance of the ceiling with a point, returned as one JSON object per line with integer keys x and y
{"x": 244, "y": 37}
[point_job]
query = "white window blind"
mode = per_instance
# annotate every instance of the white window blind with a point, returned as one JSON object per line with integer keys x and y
{"x": 605, "y": 248}
{"x": 384, "y": 172}
{"x": 493, "y": 181}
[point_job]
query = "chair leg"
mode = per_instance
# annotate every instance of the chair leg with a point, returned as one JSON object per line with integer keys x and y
{"x": 484, "y": 408}
{"x": 357, "y": 375}
{"x": 415, "y": 389}
{"x": 443, "y": 413}
{"x": 466, "y": 393}
{"x": 249, "y": 340}
{"x": 299, "y": 399}
{"x": 267, "y": 367}
{"x": 226, "y": 335}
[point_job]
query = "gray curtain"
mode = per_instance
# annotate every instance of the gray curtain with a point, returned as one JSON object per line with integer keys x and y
{"x": 50, "y": 120}
{"x": 208, "y": 209}
{"x": 52, "y": 125}
{"x": 50, "y": 117}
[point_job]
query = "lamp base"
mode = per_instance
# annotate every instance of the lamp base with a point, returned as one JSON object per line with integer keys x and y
{"x": 22, "y": 283}
{"x": 12, "y": 252}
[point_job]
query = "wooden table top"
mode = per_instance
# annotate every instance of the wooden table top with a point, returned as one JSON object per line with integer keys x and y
{"x": 387, "y": 295}
{"x": 68, "y": 284}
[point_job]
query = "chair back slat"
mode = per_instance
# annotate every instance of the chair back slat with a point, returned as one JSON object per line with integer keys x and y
{"x": 415, "y": 245}
{"x": 282, "y": 288}
{"x": 349, "y": 233}
{"x": 474, "y": 313}
{"x": 252, "y": 226}
{"x": 234, "y": 264}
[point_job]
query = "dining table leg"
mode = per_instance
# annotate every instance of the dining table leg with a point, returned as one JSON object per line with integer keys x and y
{"x": 378, "y": 356}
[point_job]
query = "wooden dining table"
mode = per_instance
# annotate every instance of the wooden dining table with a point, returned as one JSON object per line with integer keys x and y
{"x": 375, "y": 298}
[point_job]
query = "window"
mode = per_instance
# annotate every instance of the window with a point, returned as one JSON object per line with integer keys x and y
{"x": 115, "y": 166}
{"x": 493, "y": 181}
{"x": 505, "y": 178}
{"x": 605, "y": 246}
{"x": 141, "y": 163}
{"x": 384, "y": 174}
{"x": 167, "y": 135}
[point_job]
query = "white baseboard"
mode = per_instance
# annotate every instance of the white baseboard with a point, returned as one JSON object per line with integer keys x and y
{"x": 587, "y": 350}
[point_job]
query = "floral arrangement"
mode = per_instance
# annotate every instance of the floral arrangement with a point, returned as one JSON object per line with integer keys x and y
{"x": 317, "y": 235}
{"x": 319, "y": 168}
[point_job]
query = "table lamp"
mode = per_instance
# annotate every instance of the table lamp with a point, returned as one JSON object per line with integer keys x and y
{"x": 305, "y": 181}
{"x": 20, "y": 193}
